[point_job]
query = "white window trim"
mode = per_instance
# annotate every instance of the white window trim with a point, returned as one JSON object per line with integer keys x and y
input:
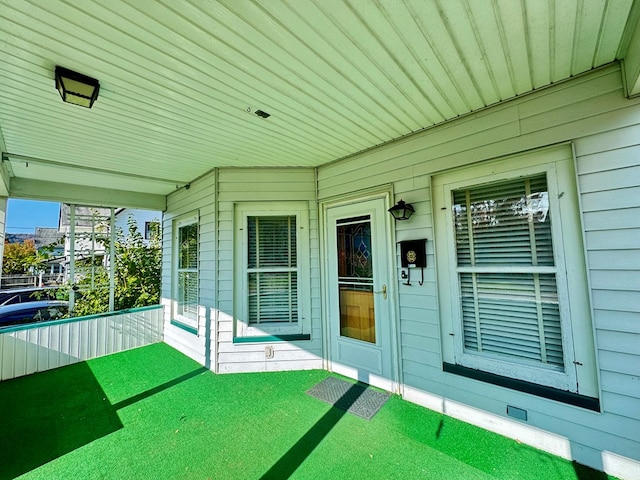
{"x": 241, "y": 298}
{"x": 575, "y": 311}
{"x": 177, "y": 223}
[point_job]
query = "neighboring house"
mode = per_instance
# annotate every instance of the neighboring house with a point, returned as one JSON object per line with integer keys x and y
{"x": 49, "y": 238}
{"x": 85, "y": 230}
{"x": 92, "y": 228}
{"x": 147, "y": 221}
{"x": 51, "y": 242}
{"x": 512, "y": 129}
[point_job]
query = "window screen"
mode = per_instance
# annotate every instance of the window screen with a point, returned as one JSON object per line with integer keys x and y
{"x": 187, "y": 301}
{"x": 272, "y": 269}
{"x": 506, "y": 270}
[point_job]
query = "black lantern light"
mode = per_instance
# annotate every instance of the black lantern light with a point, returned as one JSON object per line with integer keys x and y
{"x": 76, "y": 88}
{"x": 401, "y": 210}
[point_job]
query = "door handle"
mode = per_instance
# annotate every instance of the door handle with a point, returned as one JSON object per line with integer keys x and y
{"x": 383, "y": 291}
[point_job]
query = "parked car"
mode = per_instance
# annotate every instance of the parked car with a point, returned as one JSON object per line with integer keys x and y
{"x": 22, "y": 295}
{"x": 32, "y": 312}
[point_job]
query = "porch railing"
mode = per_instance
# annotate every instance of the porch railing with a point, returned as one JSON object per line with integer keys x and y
{"x": 26, "y": 349}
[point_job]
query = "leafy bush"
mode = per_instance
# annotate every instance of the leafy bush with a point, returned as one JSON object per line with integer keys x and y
{"x": 19, "y": 258}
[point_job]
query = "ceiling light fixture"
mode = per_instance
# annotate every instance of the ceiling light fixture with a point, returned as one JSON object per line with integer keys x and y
{"x": 76, "y": 88}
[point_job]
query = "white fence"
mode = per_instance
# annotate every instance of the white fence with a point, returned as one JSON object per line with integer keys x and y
{"x": 23, "y": 281}
{"x": 27, "y": 349}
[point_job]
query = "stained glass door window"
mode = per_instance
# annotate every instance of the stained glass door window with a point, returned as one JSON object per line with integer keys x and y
{"x": 355, "y": 279}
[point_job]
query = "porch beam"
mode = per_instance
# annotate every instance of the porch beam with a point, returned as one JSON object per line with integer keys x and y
{"x": 82, "y": 195}
{"x": 5, "y": 172}
{"x": 5, "y": 179}
{"x": 85, "y": 168}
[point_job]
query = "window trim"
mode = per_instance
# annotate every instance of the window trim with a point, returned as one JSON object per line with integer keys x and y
{"x": 185, "y": 323}
{"x": 242, "y": 328}
{"x": 569, "y": 264}
{"x": 516, "y": 368}
{"x": 582, "y": 401}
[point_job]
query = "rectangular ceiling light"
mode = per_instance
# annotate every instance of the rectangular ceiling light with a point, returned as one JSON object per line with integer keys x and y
{"x": 76, "y": 88}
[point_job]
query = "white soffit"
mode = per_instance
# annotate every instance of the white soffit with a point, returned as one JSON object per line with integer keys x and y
{"x": 181, "y": 80}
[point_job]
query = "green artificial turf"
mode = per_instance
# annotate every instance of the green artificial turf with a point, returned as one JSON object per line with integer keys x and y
{"x": 152, "y": 413}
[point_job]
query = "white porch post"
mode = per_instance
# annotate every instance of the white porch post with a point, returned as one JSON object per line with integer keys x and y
{"x": 112, "y": 260}
{"x": 3, "y": 222}
{"x": 72, "y": 255}
{"x": 631, "y": 64}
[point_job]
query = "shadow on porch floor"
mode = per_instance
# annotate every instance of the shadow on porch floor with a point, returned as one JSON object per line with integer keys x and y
{"x": 153, "y": 413}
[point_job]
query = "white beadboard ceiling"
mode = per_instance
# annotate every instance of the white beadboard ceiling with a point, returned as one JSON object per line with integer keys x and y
{"x": 181, "y": 79}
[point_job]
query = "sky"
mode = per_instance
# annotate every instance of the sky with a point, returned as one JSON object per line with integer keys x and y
{"x": 23, "y": 216}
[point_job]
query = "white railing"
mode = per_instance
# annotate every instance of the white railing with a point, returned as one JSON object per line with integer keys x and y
{"x": 26, "y": 349}
{"x": 23, "y": 281}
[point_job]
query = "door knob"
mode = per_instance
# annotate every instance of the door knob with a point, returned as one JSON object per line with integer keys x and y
{"x": 383, "y": 291}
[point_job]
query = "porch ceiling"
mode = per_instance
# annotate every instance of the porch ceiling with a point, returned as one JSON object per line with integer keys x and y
{"x": 181, "y": 80}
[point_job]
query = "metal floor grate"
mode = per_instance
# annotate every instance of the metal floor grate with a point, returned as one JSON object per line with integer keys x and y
{"x": 355, "y": 398}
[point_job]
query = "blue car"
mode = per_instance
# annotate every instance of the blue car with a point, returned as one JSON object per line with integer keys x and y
{"x": 30, "y": 294}
{"x": 32, "y": 312}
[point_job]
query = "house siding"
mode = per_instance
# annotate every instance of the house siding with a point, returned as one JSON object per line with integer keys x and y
{"x": 199, "y": 198}
{"x": 214, "y": 197}
{"x": 259, "y": 186}
{"x": 608, "y": 176}
{"x": 589, "y": 114}
{"x": 592, "y": 113}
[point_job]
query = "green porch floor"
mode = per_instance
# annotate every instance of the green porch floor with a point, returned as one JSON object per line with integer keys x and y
{"x": 152, "y": 413}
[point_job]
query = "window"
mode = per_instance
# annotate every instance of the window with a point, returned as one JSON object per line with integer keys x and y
{"x": 186, "y": 271}
{"x": 506, "y": 271}
{"x": 271, "y": 270}
{"x": 514, "y": 298}
{"x": 151, "y": 230}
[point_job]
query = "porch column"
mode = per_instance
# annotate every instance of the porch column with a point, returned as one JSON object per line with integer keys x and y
{"x": 3, "y": 222}
{"x": 631, "y": 56}
{"x": 112, "y": 260}
{"x": 72, "y": 255}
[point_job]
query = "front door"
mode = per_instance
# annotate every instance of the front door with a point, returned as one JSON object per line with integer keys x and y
{"x": 359, "y": 303}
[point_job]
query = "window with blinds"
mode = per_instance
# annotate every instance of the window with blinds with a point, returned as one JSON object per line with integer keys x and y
{"x": 187, "y": 272}
{"x": 506, "y": 271}
{"x": 272, "y": 269}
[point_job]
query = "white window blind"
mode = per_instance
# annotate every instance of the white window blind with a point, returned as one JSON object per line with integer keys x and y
{"x": 272, "y": 269}
{"x": 506, "y": 271}
{"x": 187, "y": 301}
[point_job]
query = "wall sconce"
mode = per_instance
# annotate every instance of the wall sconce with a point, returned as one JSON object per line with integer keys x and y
{"x": 76, "y": 88}
{"x": 401, "y": 210}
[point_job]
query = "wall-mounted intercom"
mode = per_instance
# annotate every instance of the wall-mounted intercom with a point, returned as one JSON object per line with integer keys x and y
{"x": 413, "y": 254}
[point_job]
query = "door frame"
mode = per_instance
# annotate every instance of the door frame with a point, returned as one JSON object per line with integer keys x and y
{"x": 390, "y": 384}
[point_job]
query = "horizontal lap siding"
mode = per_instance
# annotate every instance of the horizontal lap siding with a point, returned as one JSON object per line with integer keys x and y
{"x": 592, "y": 112}
{"x": 198, "y": 198}
{"x": 609, "y": 180}
{"x": 264, "y": 185}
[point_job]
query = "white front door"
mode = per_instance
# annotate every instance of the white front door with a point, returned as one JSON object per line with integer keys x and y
{"x": 359, "y": 313}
